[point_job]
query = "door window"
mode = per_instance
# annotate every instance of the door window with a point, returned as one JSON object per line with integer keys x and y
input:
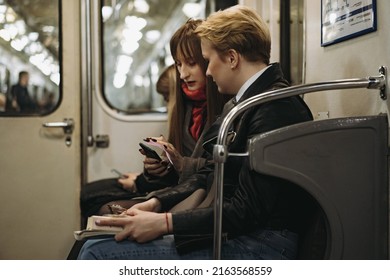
{"x": 29, "y": 57}
{"x": 136, "y": 36}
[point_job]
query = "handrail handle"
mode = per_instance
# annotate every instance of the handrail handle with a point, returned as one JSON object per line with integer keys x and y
{"x": 220, "y": 152}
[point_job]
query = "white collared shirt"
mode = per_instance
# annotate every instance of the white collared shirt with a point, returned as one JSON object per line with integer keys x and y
{"x": 250, "y": 81}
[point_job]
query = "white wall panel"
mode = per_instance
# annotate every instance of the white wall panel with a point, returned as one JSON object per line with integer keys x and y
{"x": 354, "y": 58}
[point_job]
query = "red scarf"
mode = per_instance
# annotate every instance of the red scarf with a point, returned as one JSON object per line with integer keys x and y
{"x": 198, "y": 100}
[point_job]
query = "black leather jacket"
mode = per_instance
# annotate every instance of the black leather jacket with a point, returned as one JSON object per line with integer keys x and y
{"x": 251, "y": 200}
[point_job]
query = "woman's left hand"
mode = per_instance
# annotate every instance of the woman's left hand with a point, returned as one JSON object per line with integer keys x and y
{"x": 173, "y": 154}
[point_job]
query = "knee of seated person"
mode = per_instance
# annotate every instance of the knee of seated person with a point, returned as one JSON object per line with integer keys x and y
{"x": 87, "y": 251}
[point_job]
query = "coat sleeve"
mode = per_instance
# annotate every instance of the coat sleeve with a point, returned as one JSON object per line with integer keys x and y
{"x": 171, "y": 196}
{"x": 191, "y": 166}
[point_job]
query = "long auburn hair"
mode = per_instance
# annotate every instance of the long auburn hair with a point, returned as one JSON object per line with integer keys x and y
{"x": 185, "y": 43}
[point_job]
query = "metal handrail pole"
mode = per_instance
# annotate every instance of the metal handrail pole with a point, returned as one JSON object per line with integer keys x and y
{"x": 220, "y": 152}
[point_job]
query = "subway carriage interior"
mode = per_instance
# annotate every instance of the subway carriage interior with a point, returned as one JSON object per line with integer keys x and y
{"x": 92, "y": 70}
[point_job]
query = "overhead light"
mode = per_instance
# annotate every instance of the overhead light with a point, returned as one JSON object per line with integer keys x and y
{"x": 20, "y": 43}
{"x": 123, "y": 64}
{"x": 33, "y": 36}
{"x": 154, "y": 69}
{"x": 10, "y": 15}
{"x": 191, "y": 9}
{"x": 129, "y": 46}
{"x": 141, "y": 6}
{"x": 12, "y": 30}
{"x": 134, "y": 22}
{"x": 3, "y": 9}
{"x": 131, "y": 34}
{"x": 119, "y": 80}
{"x": 106, "y": 12}
{"x": 21, "y": 26}
{"x": 48, "y": 29}
{"x": 152, "y": 36}
{"x": 45, "y": 63}
{"x": 169, "y": 60}
{"x": 5, "y": 35}
{"x": 138, "y": 80}
{"x": 146, "y": 82}
{"x": 20, "y": 37}
{"x": 55, "y": 78}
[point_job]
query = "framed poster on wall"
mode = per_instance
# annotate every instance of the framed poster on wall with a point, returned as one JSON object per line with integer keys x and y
{"x": 345, "y": 19}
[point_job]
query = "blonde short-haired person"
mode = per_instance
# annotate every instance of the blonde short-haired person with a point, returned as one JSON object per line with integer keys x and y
{"x": 262, "y": 215}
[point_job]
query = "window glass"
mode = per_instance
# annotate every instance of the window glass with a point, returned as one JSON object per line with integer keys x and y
{"x": 29, "y": 57}
{"x": 136, "y": 36}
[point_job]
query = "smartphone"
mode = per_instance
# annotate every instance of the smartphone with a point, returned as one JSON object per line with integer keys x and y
{"x": 120, "y": 174}
{"x": 149, "y": 152}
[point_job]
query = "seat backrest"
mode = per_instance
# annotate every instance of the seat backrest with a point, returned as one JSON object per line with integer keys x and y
{"x": 343, "y": 164}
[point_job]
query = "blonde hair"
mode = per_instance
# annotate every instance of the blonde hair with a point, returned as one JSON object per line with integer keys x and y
{"x": 239, "y": 28}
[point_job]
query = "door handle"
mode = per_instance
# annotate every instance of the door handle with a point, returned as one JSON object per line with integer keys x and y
{"x": 67, "y": 125}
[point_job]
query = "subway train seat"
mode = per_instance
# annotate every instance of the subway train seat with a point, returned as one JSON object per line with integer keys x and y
{"x": 343, "y": 164}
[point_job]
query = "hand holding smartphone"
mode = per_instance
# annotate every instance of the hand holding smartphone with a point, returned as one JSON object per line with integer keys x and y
{"x": 149, "y": 152}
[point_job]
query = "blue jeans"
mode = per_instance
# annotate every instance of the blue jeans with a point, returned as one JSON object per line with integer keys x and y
{"x": 261, "y": 244}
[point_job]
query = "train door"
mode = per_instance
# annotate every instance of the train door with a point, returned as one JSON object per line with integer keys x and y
{"x": 129, "y": 50}
{"x": 40, "y": 148}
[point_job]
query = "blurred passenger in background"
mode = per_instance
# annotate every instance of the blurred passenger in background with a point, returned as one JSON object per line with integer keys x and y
{"x": 21, "y": 100}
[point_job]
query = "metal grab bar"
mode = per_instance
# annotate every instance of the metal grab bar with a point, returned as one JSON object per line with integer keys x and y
{"x": 220, "y": 152}
{"x": 87, "y": 68}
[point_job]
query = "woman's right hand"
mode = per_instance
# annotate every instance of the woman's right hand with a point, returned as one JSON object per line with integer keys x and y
{"x": 155, "y": 167}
